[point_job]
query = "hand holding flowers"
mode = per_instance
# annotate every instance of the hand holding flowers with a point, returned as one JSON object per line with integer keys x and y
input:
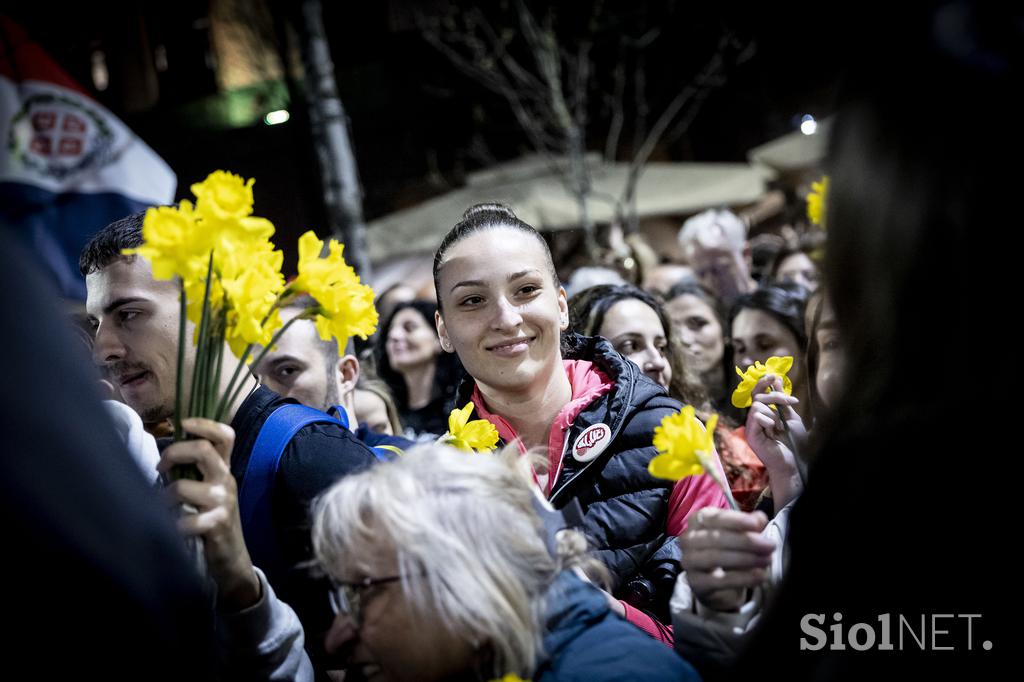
{"x": 232, "y": 288}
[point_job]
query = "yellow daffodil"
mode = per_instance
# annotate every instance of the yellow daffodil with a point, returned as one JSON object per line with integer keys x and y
{"x": 686, "y": 447}
{"x": 223, "y": 197}
{"x": 509, "y": 678}
{"x": 816, "y": 201}
{"x": 778, "y": 366}
{"x": 173, "y": 242}
{"x": 479, "y": 434}
{"x": 345, "y": 304}
{"x": 316, "y": 274}
{"x": 252, "y": 296}
{"x": 347, "y": 313}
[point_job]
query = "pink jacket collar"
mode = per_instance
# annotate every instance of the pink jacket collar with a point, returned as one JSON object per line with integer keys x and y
{"x": 588, "y": 383}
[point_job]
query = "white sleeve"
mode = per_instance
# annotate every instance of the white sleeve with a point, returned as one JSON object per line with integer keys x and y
{"x": 140, "y": 444}
{"x": 714, "y": 637}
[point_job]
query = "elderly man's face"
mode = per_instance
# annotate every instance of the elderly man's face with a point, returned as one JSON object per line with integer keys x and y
{"x": 135, "y": 319}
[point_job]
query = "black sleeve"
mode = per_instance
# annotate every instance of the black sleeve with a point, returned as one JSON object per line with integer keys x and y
{"x": 318, "y": 456}
{"x": 99, "y": 585}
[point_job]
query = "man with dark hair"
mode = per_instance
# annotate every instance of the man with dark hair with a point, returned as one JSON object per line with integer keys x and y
{"x": 304, "y": 367}
{"x": 135, "y": 319}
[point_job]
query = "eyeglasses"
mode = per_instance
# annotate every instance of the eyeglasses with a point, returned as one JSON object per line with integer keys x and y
{"x": 347, "y": 597}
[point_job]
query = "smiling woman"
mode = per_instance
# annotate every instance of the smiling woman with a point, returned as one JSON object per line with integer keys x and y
{"x": 590, "y": 411}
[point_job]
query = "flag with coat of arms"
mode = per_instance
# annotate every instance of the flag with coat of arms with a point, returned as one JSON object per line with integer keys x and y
{"x": 68, "y": 166}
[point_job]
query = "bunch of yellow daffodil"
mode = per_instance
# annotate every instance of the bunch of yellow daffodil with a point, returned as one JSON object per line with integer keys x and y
{"x": 232, "y": 287}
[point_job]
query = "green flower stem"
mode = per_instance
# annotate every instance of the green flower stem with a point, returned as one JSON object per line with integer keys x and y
{"x": 222, "y": 405}
{"x": 191, "y": 471}
{"x": 723, "y": 483}
{"x": 259, "y": 357}
{"x": 197, "y": 372}
{"x": 180, "y": 374}
{"x": 728, "y": 496}
{"x": 204, "y": 323}
{"x": 791, "y": 444}
{"x": 282, "y": 298}
{"x": 214, "y": 386}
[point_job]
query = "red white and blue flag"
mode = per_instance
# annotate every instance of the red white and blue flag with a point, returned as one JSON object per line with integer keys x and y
{"x": 68, "y": 166}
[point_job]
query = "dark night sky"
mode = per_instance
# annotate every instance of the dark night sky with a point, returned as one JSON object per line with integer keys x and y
{"x": 410, "y": 111}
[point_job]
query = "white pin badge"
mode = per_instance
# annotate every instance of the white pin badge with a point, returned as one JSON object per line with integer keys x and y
{"x": 591, "y": 443}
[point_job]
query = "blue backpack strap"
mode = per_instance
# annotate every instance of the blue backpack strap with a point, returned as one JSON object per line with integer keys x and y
{"x": 382, "y": 453}
{"x": 254, "y": 497}
{"x": 339, "y": 413}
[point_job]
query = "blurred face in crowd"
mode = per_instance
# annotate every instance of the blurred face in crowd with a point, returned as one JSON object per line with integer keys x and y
{"x": 372, "y": 409}
{"x": 831, "y": 359}
{"x": 636, "y": 333}
{"x": 389, "y": 641}
{"x": 412, "y": 341}
{"x": 757, "y": 336}
{"x": 798, "y": 268}
{"x": 397, "y": 294}
{"x": 699, "y": 331}
{"x": 664, "y": 277}
{"x": 717, "y": 256}
{"x": 299, "y": 366}
{"x": 501, "y": 310}
{"x": 135, "y": 319}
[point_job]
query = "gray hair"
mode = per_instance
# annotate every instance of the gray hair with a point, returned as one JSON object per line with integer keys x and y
{"x": 591, "y": 276}
{"x": 467, "y": 541}
{"x": 699, "y": 225}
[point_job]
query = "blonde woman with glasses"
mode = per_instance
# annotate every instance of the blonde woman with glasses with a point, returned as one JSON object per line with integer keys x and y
{"x": 449, "y": 565}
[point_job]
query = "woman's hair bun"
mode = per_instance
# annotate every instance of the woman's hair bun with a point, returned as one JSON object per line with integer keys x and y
{"x": 480, "y": 211}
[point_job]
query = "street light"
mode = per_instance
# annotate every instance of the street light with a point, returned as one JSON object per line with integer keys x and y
{"x": 275, "y": 117}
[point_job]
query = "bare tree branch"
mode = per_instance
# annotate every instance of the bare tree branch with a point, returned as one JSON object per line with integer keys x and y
{"x": 711, "y": 76}
{"x": 617, "y": 109}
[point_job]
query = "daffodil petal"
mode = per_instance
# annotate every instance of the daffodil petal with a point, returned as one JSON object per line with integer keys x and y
{"x": 780, "y": 366}
{"x": 480, "y": 434}
{"x": 673, "y": 468}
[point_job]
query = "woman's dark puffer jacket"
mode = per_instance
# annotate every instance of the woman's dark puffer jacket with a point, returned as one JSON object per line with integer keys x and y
{"x": 625, "y": 509}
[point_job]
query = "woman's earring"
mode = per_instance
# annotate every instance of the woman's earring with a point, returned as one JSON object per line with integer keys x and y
{"x": 446, "y": 346}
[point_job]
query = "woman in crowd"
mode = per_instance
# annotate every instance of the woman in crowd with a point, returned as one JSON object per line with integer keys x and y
{"x": 376, "y": 408}
{"x": 448, "y": 566}
{"x": 699, "y": 322}
{"x": 410, "y": 362}
{"x": 590, "y": 411}
{"x": 795, "y": 266}
{"x": 639, "y": 330}
{"x": 769, "y": 322}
